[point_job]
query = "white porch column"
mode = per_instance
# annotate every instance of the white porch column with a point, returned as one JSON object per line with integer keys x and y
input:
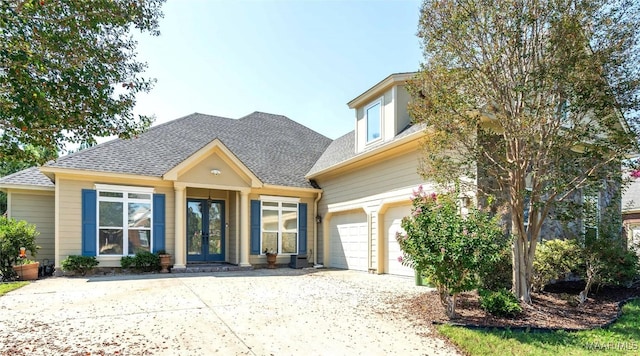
{"x": 180, "y": 227}
{"x": 244, "y": 229}
{"x": 325, "y": 238}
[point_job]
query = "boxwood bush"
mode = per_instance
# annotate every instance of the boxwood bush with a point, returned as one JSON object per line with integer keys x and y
{"x": 79, "y": 264}
{"x": 501, "y": 302}
{"x": 144, "y": 261}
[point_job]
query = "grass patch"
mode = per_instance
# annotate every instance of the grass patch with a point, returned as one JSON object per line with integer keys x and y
{"x": 621, "y": 338}
{"x": 8, "y": 287}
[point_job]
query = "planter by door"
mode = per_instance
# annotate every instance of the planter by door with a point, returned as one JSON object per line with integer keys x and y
{"x": 271, "y": 260}
{"x": 27, "y": 272}
{"x": 165, "y": 261}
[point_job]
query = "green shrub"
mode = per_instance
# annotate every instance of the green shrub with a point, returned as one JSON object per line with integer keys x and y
{"x": 126, "y": 262}
{"x": 79, "y": 264}
{"x": 606, "y": 260}
{"x": 501, "y": 302}
{"x": 15, "y": 234}
{"x": 450, "y": 249}
{"x": 555, "y": 259}
{"x": 144, "y": 261}
{"x": 499, "y": 274}
{"x": 616, "y": 265}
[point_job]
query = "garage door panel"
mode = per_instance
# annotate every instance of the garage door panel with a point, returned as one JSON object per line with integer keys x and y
{"x": 348, "y": 242}
{"x": 393, "y": 224}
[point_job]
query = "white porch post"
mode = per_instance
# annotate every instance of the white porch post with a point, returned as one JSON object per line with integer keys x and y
{"x": 325, "y": 238}
{"x": 244, "y": 229}
{"x": 180, "y": 227}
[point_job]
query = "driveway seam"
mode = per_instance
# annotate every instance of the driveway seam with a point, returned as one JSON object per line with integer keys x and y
{"x": 218, "y": 316}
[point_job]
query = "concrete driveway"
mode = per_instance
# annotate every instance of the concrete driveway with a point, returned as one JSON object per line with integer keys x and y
{"x": 260, "y": 312}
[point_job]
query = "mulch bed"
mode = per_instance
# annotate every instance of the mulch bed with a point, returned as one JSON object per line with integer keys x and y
{"x": 553, "y": 308}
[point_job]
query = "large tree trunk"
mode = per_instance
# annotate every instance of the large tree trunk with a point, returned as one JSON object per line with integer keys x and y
{"x": 521, "y": 269}
{"x": 448, "y": 302}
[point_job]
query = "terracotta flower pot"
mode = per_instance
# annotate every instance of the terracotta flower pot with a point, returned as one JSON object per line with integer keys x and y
{"x": 165, "y": 261}
{"x": 271, "y": 260}
{"x": 27, "y": 272}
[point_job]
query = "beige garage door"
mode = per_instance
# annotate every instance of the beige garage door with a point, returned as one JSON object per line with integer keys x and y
{"x": 392, "y": 223}
{"x": 348, "y": 241}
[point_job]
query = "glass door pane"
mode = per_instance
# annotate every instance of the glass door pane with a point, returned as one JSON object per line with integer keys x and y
{"x": 215, "y": 228}
{"x": 194, "y": 230}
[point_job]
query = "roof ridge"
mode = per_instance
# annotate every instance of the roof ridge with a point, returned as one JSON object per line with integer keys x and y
{"x": 307, "y": 128}
{"x": 151, "y": 128}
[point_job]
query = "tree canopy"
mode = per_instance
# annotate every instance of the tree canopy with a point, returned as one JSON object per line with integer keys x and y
{"x": 68, "y": 72}
{"x": 534, "y": 98}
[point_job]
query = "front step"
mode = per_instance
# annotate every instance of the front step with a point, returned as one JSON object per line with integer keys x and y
{"x": 218, "y": 267}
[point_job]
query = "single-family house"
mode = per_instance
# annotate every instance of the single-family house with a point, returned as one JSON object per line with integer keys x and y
{"x": 213, "y": 189}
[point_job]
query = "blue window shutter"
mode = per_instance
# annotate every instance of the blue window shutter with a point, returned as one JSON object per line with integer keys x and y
{"x": 255, "y": 227}
{"x": 158, "y": 222}
{"x": 302, "y": 229}
{"x": 89, "y": 222}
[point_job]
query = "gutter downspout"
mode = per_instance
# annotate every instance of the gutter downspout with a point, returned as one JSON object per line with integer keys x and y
{"x": 315, "y": 228}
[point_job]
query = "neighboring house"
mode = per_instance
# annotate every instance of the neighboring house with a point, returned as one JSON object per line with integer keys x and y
{"x": 213, "y": 189}
{"x": 631, "y": 213}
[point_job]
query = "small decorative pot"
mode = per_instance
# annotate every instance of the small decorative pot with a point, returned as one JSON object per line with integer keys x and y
{"x": 165, "y": 261}
{"x": 271, "y": 260}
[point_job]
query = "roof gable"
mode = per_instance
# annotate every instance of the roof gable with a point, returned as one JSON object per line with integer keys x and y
{"x": 215, "y": 156}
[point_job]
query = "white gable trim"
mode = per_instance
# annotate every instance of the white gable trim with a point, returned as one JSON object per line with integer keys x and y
{"x": 201, "y": 154}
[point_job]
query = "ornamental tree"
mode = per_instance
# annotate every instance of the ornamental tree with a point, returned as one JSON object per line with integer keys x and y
{"x": 68, "y": 72}
{"x": 450, "y": 249}
{"x": 528, "y": 98}
{"x": 15, "y": 234}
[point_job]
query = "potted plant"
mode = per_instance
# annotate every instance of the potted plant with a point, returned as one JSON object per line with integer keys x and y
{"x": 165, "y": 261}
{"x": 271, "y": 257}
{"x": 16, "y": 239}
{"x": 26, "y": 269}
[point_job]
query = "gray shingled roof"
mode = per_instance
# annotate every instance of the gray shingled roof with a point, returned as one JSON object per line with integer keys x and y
{"x": 340, "y": 150}
{"x": 276, "y": 149}
{"x": 343, "y": 149}
{"x": 29, "y": 176}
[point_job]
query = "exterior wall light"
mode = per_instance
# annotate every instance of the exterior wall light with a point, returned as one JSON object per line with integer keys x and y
{"x": 216, "y": 172}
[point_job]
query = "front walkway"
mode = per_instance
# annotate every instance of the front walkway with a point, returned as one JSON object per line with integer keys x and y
{"x": 259, "y": 312}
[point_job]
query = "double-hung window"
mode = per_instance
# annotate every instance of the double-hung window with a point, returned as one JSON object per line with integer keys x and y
{"x": 124, "y": 220}
{"x": 279, "y": 219}
{"x": 373, "y": 115}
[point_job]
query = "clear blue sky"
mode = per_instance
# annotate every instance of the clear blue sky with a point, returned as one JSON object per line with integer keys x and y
{"x": 302, "y": 59}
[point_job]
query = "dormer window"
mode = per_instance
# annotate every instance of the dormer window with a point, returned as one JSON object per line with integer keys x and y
{"x": 373, "y": 114}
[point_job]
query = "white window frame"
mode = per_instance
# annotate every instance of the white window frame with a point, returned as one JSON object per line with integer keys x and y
{"x": 380, "y": 102}
{"x": 125, "y": 200}
{"x": 279, "y": 208}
